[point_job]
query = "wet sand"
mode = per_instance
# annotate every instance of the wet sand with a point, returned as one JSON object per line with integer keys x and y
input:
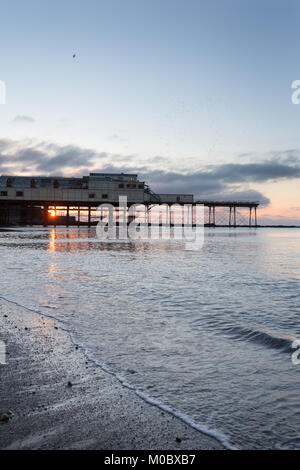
{"x": 96, "y": 412}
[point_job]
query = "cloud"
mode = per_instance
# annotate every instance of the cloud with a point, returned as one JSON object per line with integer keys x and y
{"x": 243, "y": 195}
{"x": 117, "y": 138}
{"x": 256, "y": 172}
{"x": 158, "y": 160}
{"x": 221, "y": 181}
{"x": 20, "y": 119}
{"x": 45, "y": 157}
{"x": 202, "y": 185}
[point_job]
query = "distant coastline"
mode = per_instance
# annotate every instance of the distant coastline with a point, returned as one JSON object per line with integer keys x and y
{"x": 12, "y": 229}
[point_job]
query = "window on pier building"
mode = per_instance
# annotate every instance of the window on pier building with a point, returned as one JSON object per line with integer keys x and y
{"x": 104, "y": 196}
{"x": 92, "y": 196}
{"x": 56, "y": 184}
{"x": 32, "y": 183}
{"x": 9, "y": 183}
{"x": 178, "y": 199}
{"x": 121, "y": 186}
{"x": 3, "y": 193}
{"x": 19, "y": 194}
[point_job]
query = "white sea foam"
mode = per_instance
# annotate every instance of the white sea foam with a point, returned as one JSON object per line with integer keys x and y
{"x": 216, "y": 434}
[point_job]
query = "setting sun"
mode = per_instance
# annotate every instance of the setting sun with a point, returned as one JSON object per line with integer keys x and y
{"x": 52, "y": 213}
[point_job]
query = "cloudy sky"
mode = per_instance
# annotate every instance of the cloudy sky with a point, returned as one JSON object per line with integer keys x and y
{"x": 194, "y": 95}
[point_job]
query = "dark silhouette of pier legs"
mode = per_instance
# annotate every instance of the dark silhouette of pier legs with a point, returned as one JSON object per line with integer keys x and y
{"x": 37, "y": 213}
{"x": 46, "y": 215}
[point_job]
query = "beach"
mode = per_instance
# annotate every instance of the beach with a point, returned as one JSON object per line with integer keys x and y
{"x": 58, "y": 399}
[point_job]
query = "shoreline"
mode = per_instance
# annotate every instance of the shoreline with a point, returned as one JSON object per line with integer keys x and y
{"x": 95, "y": 411}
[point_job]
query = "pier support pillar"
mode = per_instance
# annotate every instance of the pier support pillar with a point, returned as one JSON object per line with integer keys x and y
{"x": 46, "y": 215}
{"x": 31, "y": 215}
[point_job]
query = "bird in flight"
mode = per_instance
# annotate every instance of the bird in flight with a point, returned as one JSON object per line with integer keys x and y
{"x": 74, "y": 55}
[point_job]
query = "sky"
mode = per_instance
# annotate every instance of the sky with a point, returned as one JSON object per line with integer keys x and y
{"x": 193, "y": 95}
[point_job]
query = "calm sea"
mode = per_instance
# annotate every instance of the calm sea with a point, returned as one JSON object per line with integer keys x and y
{"x": 206, "y": 333}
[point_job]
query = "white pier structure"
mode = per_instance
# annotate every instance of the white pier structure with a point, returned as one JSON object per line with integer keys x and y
{"x": 35, "y": 200}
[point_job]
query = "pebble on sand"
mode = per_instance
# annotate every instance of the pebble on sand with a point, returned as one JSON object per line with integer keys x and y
{"x": 5, "y": 417}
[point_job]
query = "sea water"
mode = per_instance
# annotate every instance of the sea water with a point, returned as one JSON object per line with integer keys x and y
{"x": 204, "y": 334}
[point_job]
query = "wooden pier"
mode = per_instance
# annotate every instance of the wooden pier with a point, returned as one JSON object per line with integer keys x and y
{"x": 43, "y": 200}
{"x": 58, "y": 213}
